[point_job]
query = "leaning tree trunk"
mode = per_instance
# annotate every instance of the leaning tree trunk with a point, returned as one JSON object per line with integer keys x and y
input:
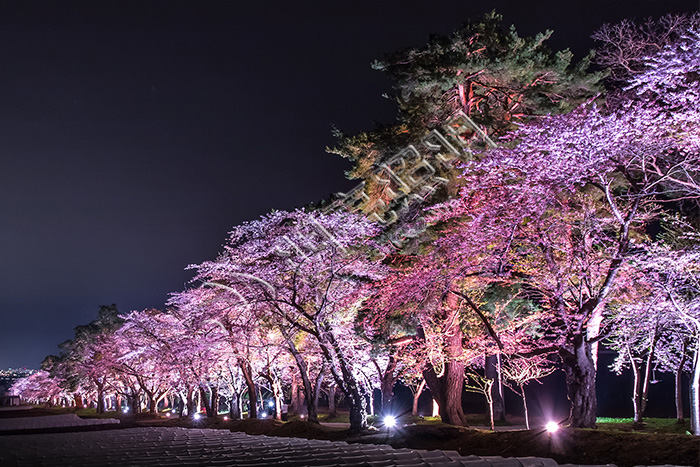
{"x": 317, "y": 389}
{"x": 416, "y": 397}
{"x": 346, "y": 380}
{"x": 580, "y": 382}
{"x": 311, "y": 401}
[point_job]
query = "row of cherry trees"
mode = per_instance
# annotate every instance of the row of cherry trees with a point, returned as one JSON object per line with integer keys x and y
{"x": 528, "y": 255}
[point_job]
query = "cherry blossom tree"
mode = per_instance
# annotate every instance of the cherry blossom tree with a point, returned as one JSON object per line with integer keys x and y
{"x": 521, "y": 371}
{"x": 306, "y": 271}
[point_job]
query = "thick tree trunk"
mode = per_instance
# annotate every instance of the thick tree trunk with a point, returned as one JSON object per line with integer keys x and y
{"x": 235, "y": 411}
{"x": 190, "y": 402}
{"x": 580, "y": 382}
{"x": 447, "y": 390}
{"x": 387, "y": 381}
{"x": 210, "y": 400}
{"x": 78, "y": 401}
{"x": 492, "y": 371}
{"x": 250, "y": 384}
{"x": 100, "y": 406}
{"x": 118, "y": 402}
{"x": 152, "y": 403}
{"x": 416, "y": 397}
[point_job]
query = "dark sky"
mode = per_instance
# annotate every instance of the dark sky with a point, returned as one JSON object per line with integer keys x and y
{"x": 134, "y": 135}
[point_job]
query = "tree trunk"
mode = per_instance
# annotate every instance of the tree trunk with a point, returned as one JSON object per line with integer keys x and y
{"x": 311, "y": 403}
{"x": 348, "y": 382}
{"x": 647, "y": 373}
{"x": 679, "y": 378}
{"x": 235, "y": 411}
{"x": 416, "y": 397}
{"x": 387, "y": 380}
{"x": 78, "y": 401}
{"x": 636, "y": 388}
{"x": 695, "y": 393}
{"x": 527, "y": 415}
{"x": 100, "y": 397}
{"x": 118, "y": 402}
{"x": 210, "y": 401}
{"x": 250, "y": 384}
{"x": 295, "y": 395}
{"x": 492, "y": 371}
{"x": 317, "y": 389}
{"x": 580, "y": 382}
{"x": 332, "y": 410}
{"x": 190, "y": 402}
{"x": 447, "y": 390}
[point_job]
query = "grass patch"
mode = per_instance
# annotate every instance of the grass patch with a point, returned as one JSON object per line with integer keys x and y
{"x": 648, "y": 425}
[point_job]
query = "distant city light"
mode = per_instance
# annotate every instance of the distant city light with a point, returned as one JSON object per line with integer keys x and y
{"x": 390, "y": 421}
{"x": 551, "y": 427}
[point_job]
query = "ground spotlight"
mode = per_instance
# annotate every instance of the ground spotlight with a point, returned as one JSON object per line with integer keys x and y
{"x": 167, "y": 414}
{"x": 390, "y": 421}
{"x": 551, "y": 427}
{"x": 271, "y": 404}
{"x": 197, "y": 416}
{"x": 225, "y": 418}
{"x": 263, "y": 415}
{"x": 126, "y": 409}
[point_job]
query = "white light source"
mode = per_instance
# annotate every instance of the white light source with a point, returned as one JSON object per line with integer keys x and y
{"x": 126, "y": 409}
{"x": 271, "y": 404}
{"x": 551, "y": 427}
{"x": 225, "y": 418}
{"x": 197, "y": 416}
{"x": 390, "y": 421}
{"x": 167, "y": 414}
{"x": 263, "y": 415}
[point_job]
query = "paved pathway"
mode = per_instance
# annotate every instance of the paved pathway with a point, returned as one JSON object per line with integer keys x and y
{"x": 51, "y": 421}
{"x": 194, "y": 447}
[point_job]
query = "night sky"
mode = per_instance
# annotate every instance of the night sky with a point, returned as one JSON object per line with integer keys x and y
{"x": 134, "y": 135}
